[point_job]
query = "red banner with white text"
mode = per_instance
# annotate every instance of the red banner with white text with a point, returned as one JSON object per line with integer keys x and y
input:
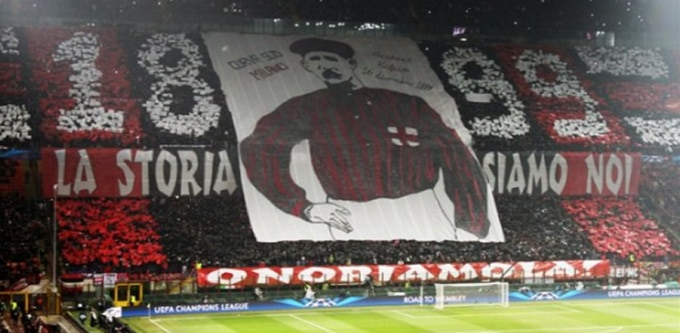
{"x": 111, "y": 172}
{"x": 562, "y": 173}
{"x": 242, "y": 277}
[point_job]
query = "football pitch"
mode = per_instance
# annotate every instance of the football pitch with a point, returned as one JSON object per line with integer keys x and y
{"x": 621, "y": 316}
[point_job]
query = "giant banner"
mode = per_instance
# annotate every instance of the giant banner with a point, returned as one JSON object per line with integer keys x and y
{"x": 350, "y": 139}
{"x": 236, "y": 278}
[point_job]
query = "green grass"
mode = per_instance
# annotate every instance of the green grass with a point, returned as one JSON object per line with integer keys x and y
{"x": 621, "y": 316}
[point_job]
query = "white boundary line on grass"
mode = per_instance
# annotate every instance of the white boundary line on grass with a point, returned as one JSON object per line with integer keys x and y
{"x": 608, "y": 329}
{"x": 565, "y": 308}
{"x": 153, "y": 321}
{"x": 311, "y": 323}
{"x": 665, "y": 306}
{"x": 481, "y": 313}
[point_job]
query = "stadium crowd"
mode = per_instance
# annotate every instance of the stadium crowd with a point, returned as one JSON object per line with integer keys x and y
{"x": 215, "y": 234}
{"x": 539, "y": 232}
{"x": 659, "y": 193}
{"x": 541, "y": 16}
{"x": 25, "y": 239}
{"x": 169, "y": 234}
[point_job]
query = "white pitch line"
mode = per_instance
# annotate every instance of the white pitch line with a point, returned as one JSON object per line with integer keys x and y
{"x": 665, "y": 306}
{"x": 408, "y": 315}
{"x": 153, "y": 321}
{"x": 481, "y": 313}
{"x": 311, "y": 323}
{"x": 569, "y": 329}
{"x": 565, "y": 308}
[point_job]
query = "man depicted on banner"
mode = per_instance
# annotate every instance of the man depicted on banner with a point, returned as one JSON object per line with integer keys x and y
{"x": 365, "y": 144}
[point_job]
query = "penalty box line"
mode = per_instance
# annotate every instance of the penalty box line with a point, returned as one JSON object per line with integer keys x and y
{"x": 153, "y": 321}
{"x": 323, "y": 328}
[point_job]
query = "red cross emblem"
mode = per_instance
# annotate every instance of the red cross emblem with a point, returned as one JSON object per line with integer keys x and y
{"x": 404, "y": 136}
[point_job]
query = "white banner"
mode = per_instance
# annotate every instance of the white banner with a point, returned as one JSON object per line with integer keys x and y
{"x": 110, "y": 280}
{"x": 555, "y": 270}
{"x": 349, "y": 139}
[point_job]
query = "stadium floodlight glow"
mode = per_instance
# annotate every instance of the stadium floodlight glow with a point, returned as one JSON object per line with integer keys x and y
{"x": 471, "y": 294}
{"x": 370, "y": 26}
{"x": 457, "y": 31}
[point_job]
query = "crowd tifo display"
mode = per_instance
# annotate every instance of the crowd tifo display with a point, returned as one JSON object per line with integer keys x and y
{"x": 156, "y": 150}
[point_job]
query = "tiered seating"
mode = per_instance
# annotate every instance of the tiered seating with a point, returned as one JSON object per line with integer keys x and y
{"x": 25, "y": 230}
{"x": 534, "y": 229}
{"x": 106, "y": 234}
{"x": 164, "y": 234}
{"x": 528, "y": 17}
{"x": 617, "y": 226}
{"x": 659, "y": 188}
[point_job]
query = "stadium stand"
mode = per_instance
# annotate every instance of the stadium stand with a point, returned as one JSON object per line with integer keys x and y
{"x": 192, "y": 212}
{"x": 166, "y": 235}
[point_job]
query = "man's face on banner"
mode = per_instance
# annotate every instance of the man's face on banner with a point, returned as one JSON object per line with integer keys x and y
{"x": 328, "y": 66}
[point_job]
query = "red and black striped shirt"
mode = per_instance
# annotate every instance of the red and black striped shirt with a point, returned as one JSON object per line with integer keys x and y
{"x": 365, "y": 144}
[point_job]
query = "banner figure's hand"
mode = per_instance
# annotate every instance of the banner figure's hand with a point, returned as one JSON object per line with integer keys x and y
{"x": 331, "y": 214}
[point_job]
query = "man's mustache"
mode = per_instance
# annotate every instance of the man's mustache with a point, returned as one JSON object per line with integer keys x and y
{"x": 330, "y": 74}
